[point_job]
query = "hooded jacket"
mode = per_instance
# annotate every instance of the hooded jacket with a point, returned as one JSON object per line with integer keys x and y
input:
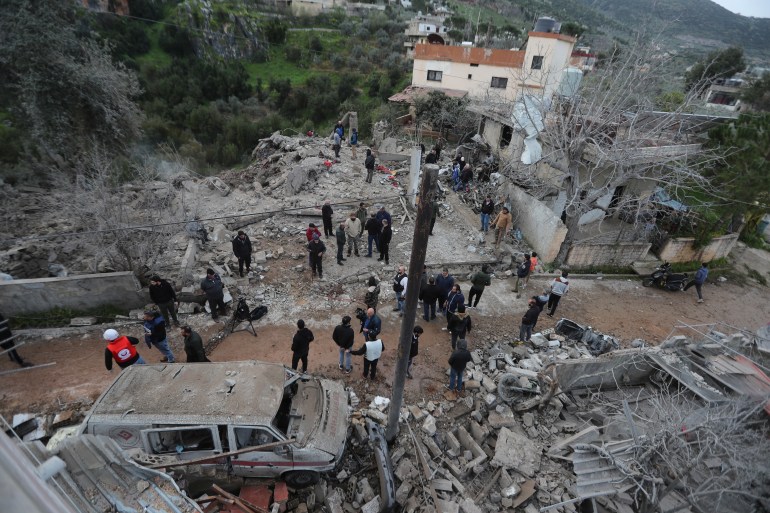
{"x": 560, "y": 286}
{"x": 343, "y": 336}
{"x": 460, "y": 323}
{"x": 242, "y": 248}
{"x": 300, "y": 344}
{"x": 162, "y": 293}
{"x": 481, "y": 280}
{"x": 460, "y": 356}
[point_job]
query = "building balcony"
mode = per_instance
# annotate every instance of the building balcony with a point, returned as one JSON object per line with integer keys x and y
{"x": 636, "y": 155}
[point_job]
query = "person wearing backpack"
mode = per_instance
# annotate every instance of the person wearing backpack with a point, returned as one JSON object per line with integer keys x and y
{"x": 479, "y": 281}
{"x": 522, "y": 272}
{"x": 400, "y": 281}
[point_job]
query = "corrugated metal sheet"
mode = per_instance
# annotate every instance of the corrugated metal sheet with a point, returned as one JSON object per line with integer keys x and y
{"x": 596, "y": 475}
{"x": 100, "y": 478}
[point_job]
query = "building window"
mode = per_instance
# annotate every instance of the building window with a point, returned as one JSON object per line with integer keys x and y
{"x": 470, "y": 76}
{"x": 537, "y": 62}
{"x": 434, "y": 75}
{"x": 499, "y": 82}
{"x": 505, "y": 136}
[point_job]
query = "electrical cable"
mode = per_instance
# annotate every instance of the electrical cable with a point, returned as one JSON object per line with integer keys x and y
{"x": 379, "y": 199}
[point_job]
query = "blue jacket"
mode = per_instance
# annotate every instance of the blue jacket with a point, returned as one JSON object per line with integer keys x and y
{"x": 701, "y": 275}
{"x": 454, "y": 300}
{"x": 374, "y": 324}
{"x": 383, "y": 214}
{"x": 444, "y": 284}
{"x": 155, "y": 330}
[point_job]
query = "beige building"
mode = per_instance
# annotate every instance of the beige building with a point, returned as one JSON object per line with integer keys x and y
{"x": 425, "y": 30}
{"x": 495, "y": 75}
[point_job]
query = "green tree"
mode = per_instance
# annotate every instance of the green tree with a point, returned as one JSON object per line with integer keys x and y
{"x": 670, "y": 101}
{"x": 63, "y": 88}
{"x": 742, "y": 177}
{"x": 758, "y": 94}
{"x": 718, "y": 64}
{"x": 275, "y": 31}
{"x": 572, "y": 28}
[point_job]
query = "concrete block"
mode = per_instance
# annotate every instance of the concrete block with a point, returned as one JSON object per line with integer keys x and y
{"x": 528, "y": 419}
{"x": 373, "y": 506}
{"x": 429, "y": 426}
{"x": 447, "y": 507}
{"x": 490, "y": 400}
{"x": 442, "y": 484}
{"x": 515, "y": 451}
{"x": 478, "y": 433}
{"x": 402, "y": 493}
{"x": 83, "y": 321}
{"x": 396, "y": 455}
{"x": 489, "y": 385}
{"x": 260, "y": 257}
{"x": 334, "y": 501}
{"x": 497, "y": 420}
{"x": 433, "y": 449}
{"x": 538, "y": 341}
{"x": 468, "y": 506}
{"x": 416, "y": 412}
{"x": 405, "y": 470}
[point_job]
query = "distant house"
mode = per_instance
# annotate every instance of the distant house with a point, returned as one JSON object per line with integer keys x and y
{"x": 725, "y": 94}
{"x": 309, "y": 7}
{"x": 582, "y": 58}
{"x": 495, "y": 75}
{"x": 425, "y": 30}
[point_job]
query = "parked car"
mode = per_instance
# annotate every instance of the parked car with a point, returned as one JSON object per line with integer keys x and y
{"x": 166, "y": 414}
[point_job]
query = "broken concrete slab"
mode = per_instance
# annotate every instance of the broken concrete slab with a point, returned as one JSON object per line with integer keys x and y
{"x": 515, "y": 451}
{"x": 588, "y": 435}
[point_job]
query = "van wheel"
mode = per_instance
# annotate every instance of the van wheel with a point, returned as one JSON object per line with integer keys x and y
{"x": 301, "y": 478}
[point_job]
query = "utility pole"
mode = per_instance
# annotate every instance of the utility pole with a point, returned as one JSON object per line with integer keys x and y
{"x": 416, "y": 263}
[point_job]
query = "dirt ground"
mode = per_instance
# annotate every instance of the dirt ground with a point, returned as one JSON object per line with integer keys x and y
{"x": 622, "y": 308}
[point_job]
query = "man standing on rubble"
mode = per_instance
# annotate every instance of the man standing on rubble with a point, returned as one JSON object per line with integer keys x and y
{"x": 344, "y": 336}
{"x": 503, "y": 222}
{"x": 340, "y": 234}
{"x": 384, "y": 215}
{"x": 487, "y": 209}
{"x": 317, "y": 250}
{"x": 400, "y": 282}
{"x": 385, "y": 236}
{"x": 336, "y": 145}
{"x": 457, "y": 363}
{"x": 300, "y": 346}
{"x": 372, "y": 350}
{"x": 164, "y": 297}
{"x": 353, "y": 231}
{"x": 326, "y": 216}
{"x": 242, "y": 251}
{"x": 373, "y": 228}
{"x": 155, "y": 335}
{"x": 362, "y": 215}
{"x": 529, "y": 320}
{"x": 213, "y": 287}
{"x": 369, "y": 165}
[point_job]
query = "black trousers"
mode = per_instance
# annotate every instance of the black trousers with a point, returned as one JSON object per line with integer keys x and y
{"x": 474, "y": 292}
{"x": 316, "y": 265}
{"x": 215, "y": 304}
{"x": 553, "y": 302}
{"x": 296, "y": 358}
{"x": 244, "y": 260}
{"x": 370, "y": 365}
{"x": 432, "y": 223}
{"x": 328, "y": 230}
{"x": 384, "y": 251}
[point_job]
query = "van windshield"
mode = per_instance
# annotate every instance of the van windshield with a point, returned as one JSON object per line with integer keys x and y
{"x": 300, "y": 410}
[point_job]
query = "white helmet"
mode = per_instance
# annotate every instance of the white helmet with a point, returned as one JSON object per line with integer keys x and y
{"x": 110, "y": 335}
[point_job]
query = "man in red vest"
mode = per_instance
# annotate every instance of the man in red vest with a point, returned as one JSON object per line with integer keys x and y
{"x": 121, "y": 349}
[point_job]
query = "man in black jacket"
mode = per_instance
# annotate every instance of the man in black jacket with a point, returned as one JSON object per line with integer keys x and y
{"x": 369, "y": 165}
{"x": 326, "y": 215}
{"x": 529, "y": 320}
{"x": 457, "y": 363}
{"x": 373, "y": 228}
{"x": 430, "y": 295}
{"x": 385, "y": 235}
{"x": 343, "y": 336}
{"x": 242, "y": 251}
{"x": 214, "y": 288}
{"x": 300, "y": 345}
{"x": 341, "y": 238}
{"x": 164, "y": 297}
{"x": 414, "y": 349}
{"x": 193, "y": 346}
{"x": 317, "y": 250}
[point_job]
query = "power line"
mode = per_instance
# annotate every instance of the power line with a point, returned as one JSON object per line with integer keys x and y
{"x": 174, "y": 223}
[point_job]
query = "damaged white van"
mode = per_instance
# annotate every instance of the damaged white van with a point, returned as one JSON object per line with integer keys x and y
{"x": 169, "y": 414}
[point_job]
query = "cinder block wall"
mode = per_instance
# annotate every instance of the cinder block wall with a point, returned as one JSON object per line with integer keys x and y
{"x": 617, "y": 253}
{"x": 682, "y": 250}
{"x": 76, "y": 292}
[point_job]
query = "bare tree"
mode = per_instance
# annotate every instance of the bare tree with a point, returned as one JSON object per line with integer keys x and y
{"x": 126, "y": 227}
{"x": 608, "y": 138}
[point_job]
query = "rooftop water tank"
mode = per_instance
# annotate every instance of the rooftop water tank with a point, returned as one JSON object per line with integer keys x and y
{"x": 546, "y": 24}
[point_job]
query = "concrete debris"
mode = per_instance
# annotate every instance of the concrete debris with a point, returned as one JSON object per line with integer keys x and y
{"x": 516, "y": 451}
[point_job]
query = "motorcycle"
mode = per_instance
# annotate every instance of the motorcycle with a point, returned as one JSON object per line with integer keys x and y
{"x": 664, "y": 279}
